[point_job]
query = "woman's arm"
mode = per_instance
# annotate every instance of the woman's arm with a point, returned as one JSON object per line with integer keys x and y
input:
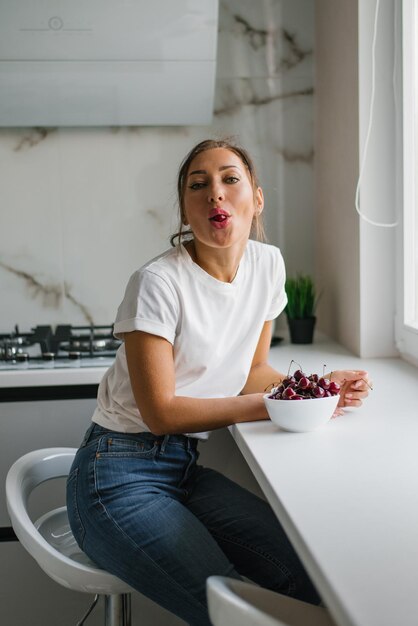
{"x": 262, "y": 375}
{"x": 151, "y": 370}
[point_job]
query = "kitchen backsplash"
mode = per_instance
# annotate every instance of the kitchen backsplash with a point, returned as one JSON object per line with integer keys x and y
{"x": 82, "y": 208}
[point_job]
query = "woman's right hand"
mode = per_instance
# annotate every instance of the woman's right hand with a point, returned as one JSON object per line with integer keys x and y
{"x": 355, "y": 385}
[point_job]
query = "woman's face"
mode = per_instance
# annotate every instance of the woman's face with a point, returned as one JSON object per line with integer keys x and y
{"x": 219, "y": 201}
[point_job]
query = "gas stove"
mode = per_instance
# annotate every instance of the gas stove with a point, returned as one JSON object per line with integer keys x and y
{"x": 65, "y": 347}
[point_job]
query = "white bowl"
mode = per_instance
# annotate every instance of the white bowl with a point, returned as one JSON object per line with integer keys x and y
{"x": 300, "y": 416}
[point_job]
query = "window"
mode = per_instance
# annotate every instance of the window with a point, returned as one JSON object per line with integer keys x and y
{"x": 407, "y": 315}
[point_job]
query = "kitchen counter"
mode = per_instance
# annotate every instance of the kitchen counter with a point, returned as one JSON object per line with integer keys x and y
{"x": 62, "y": 380}
{"x": 347, "y": 493}
{"x": 52, "y": 377}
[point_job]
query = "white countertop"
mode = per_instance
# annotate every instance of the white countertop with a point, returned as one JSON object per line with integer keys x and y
{"x": 347, "y": 494}
{"x": 54, "y": 376}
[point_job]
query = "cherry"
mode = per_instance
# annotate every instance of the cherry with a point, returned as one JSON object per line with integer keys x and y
{"x": 303, "y": 387}
{"x": 298, "y": 375}
{"x": 303, "y": 382}
{"x": 334, "y": 388}
{"x": 289, "y": 380}
{"x": 288, "y": 393}
{"x": 276, "y": 391}
{"x": 318, "y": 392}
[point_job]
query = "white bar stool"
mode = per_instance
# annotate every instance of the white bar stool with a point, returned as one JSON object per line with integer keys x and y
{"x": 237, "y": 603}
{"x": 50, "y": 541}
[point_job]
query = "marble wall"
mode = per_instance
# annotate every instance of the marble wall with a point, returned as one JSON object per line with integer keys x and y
{"x": 82, "y": 208}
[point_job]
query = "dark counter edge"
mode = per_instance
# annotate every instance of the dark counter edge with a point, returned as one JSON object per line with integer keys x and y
{"x": 7, "y": 534}
{"x": 52, "y": 392}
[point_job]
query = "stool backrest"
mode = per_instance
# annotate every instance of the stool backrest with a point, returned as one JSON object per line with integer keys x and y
{"x": 238, "y": 603}
{"x": 233, "y": 602}
{"x": 60, "y": 557}
{"x": 26, "y": 473}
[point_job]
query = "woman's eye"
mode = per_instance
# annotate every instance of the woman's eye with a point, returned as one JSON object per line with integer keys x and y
{"x": 232, "y": 179}
{"x": 196, "y": 186}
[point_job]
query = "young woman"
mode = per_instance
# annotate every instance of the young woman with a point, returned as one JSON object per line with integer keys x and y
{"x": 196, "y": 328}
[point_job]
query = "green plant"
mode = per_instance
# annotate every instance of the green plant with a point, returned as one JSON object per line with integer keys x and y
{"x": 301, "y": 297}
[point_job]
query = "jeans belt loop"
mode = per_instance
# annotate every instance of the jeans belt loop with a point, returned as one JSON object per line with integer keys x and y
{"x": 164, "y": 443}
{"x": 87, "y": 435}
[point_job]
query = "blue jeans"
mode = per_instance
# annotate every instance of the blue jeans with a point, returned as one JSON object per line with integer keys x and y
{"x": 141, "y": 508}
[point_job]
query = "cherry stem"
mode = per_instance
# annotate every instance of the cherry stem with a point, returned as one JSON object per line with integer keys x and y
{"x": 365, "y": 381}
{"x": 369, "y": 386}
{"x": 290, "y": 365}
{"x": 271, "y": 385}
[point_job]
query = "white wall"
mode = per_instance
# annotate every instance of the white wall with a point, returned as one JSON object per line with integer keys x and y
{"x": 355, "y": 260}
{"x": 82, "y": 208}
{"x": 378, "y": 186}
{"x": 336, "y": 170}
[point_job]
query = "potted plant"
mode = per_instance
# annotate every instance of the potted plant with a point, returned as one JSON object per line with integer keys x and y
{"x": 300, "y": 308}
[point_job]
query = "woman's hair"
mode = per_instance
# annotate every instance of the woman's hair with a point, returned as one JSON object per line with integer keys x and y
{"x": 208, "y": 144}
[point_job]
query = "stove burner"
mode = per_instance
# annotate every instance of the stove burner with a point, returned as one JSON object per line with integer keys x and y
{"x": 67, "y": 342}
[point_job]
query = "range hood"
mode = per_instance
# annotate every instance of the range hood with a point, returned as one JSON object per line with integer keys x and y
{"x": 107, "y": 62}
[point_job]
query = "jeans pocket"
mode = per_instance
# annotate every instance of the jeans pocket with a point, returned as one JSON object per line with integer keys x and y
{"x": 72, "y": 508}
{"x": 135, "y": 446}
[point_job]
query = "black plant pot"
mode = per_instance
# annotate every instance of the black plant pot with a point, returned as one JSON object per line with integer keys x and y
{"x": 301, "y": 330}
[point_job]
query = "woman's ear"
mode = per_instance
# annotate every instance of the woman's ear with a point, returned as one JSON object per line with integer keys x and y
{"x": 259, "y": 201}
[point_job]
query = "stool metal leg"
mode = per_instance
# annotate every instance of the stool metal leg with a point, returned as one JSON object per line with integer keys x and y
{"x": 118, "y": 610}
{"x": 89, "y": 610}
{"x": 127, "y": 608}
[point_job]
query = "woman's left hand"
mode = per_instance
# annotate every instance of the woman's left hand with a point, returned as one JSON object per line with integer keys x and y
{"x": 355, "y": 386}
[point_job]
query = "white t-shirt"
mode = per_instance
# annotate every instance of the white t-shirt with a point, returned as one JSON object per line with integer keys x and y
{"x": 214, "y": 327}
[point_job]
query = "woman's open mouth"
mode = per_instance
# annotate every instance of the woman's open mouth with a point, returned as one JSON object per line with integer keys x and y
{"x": 219, "y": 218}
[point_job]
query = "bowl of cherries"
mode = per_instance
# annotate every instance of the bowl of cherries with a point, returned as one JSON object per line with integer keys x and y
{"x": 287, "y": 407}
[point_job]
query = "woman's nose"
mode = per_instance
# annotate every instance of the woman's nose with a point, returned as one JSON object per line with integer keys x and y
{"x": 216, "y": 193}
